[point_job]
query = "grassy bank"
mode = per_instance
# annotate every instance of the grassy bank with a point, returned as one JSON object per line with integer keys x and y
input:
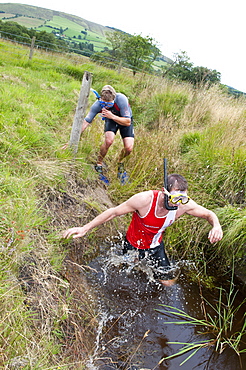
{"x": 45, "y": 318}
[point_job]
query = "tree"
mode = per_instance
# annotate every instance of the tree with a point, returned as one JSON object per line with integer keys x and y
{"x": 203, "y": 76}
{"x": 180, "y": 69}
{"x": 46, "y": 40}
{"x": 14, "y": 31}
{"x": 136, "y": 52}
{"x": 116, "y": 40}
{"x": 183, "y": 70}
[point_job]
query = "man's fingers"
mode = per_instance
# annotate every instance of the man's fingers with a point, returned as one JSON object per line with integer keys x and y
{"x": 76, "y": 236}
{"x": 64, "y": 146}
{"x": 75, "y": 232}
{"x": 215, "y": 236}
{"x": 67, "y": 233}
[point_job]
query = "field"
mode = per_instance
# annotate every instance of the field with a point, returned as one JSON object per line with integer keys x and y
{"x": 69, "y": 27}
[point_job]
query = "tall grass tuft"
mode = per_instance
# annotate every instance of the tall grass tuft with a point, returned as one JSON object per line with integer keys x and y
{"x": 218, "y": 325}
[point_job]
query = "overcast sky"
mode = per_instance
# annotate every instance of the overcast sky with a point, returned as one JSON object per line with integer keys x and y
{"x": 211, "y": 32}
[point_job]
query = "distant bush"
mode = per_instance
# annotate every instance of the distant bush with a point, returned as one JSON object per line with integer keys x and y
{"x": 16, "y": 32}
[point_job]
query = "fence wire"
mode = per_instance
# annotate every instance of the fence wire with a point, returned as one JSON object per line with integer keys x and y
{"x": 101, "y": 59}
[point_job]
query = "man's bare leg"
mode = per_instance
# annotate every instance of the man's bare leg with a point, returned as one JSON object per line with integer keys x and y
{"x": 128, "y": 147}
{"x": 109, "y": 139}
{"x": 169, "y": 282}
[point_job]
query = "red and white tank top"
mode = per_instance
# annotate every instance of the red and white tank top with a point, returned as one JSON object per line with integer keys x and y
{"x": 146, "y": 232}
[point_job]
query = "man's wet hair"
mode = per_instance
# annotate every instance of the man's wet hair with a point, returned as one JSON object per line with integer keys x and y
{"x": 176, "y": 181}
{"x": 108, "y": 93}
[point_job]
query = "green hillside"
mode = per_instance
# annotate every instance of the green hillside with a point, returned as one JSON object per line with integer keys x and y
{"x": 79, "y": 33}
{"x": 70, "y": 28}
{"x": 63, "y": 25}
{"x": 26, "y": 12}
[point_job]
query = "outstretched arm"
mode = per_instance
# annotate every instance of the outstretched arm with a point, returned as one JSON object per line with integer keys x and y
{"x": 78, "y": 232}
{"x": 85, "y": 124}
{"x": 94, "y": 110}
{"x": 216, "y": 233}
{"x": 128, "y": 206}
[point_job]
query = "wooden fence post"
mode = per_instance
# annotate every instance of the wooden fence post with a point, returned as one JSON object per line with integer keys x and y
{"x": 80, "y": 112}
{"x": 32, "y": 47}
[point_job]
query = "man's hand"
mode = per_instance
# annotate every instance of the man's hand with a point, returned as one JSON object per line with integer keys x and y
{"x": 76, "y": 232}
{"x": 65, "y": 146}
{"x": 107, "y": 113}
{"x": 215, "y": 234}
{"x": 124, "y": 121}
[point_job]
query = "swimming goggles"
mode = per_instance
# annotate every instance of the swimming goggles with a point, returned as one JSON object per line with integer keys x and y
{"x": 177, "y": 197}
{"x": 106, "y": 104}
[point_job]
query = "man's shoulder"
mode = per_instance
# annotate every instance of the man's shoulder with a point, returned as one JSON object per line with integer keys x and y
{"x": 144, "y": 195}
{"x": 120, "y": 94}
{"x": 120, "y": 97}
{"x": 96, "y": 107}
{"x": 141, "y": 201}
{"x": 147, "y": 192}
{"x": 96, "y": 104}
{"x": 188, "y": 208}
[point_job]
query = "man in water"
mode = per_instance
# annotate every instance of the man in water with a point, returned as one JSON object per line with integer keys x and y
{"x": 117, "y": 115}
{"x": 150, "y": 219}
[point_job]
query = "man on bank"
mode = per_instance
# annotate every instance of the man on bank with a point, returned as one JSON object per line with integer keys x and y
{"x": 150, "y": 219}
{"x": 117, "y": 115}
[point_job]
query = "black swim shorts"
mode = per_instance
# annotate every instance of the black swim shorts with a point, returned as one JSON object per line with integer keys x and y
{"x": 156, "y": 258}
{"x": 125, "y": 131}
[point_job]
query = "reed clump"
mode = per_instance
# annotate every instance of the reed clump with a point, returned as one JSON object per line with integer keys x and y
{"x": 217, "y": 325}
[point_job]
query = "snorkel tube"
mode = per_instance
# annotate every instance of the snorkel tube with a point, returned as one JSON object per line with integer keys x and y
{"x": 98, "y": 97}
{"x": 166, "y": 203}
{"x": 96, "y": 93}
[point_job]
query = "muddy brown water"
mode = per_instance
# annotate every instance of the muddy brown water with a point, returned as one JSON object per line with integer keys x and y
{"x": 132, "y": 333}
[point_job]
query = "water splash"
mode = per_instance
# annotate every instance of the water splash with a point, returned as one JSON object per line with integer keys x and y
{"x": 103, "y": 318}
{"x": 128, "y": 298}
